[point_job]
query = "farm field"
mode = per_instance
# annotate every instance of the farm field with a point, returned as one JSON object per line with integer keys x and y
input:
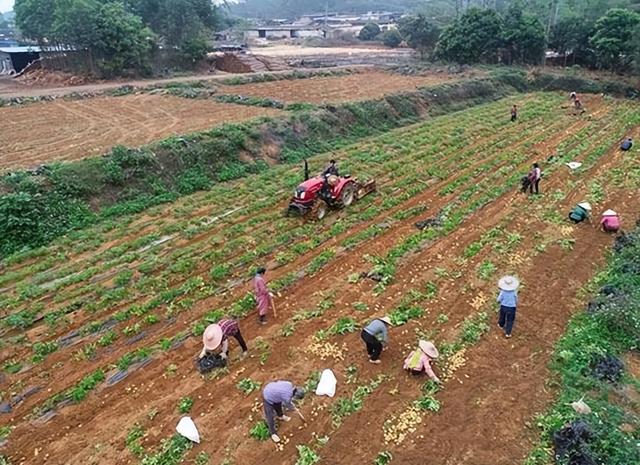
{"x": 100, "y": 330}
{"x": 69, "y": 130}
{"x": 367, "y": 85}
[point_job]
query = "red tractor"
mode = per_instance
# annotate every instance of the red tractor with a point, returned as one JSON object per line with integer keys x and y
{"x": 315, "y": 196}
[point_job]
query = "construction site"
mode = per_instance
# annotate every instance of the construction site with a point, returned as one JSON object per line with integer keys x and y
{"x": 152, "y": 204}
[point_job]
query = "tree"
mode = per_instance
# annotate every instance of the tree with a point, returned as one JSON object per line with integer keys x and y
{"x": 419, "y": 33}
{"x": 571, "y": 35}
{"x": 177, "y": 21}
{"x": 613, "y": 37}
{"x": 523, "y": 35}
{"x": 474, "y": 37}
{"x": 369, "y": 32}
{"x": 124, "y": 41}
{"x": 35, "y": 19}
{"x": 392, "y": 38}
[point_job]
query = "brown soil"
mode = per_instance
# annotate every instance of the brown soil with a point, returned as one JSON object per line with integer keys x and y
{"x": 486, "y": 406}
{"x": 47, "y": 78}
{"x": 63, "y": 130}
{"x": 337, "y": 89}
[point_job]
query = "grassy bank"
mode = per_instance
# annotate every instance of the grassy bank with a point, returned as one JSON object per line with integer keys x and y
{"x": 589, "y": 364}
{"x": 36, "y": 207}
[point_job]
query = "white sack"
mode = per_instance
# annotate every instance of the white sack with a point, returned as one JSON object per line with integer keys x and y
{"x": 574, "y": 165}
{"x": 187, "y": 428}
{"x": 327, "y": 384}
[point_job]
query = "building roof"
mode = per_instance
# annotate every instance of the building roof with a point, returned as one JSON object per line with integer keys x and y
{"x": 19, "y": 49}
{"x": 284, "y": 27}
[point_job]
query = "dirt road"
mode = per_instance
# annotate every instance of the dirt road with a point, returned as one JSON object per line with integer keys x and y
{"x": 11, "y": 89}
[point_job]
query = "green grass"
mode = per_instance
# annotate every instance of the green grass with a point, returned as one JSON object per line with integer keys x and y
{"x": 306, "y": 456}
{"x": 260, "y": 431}
{"x": 247, "y": 385}
{"x": 185, "y": 404}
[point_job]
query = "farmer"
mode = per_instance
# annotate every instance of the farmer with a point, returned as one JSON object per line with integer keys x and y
{"x": 580, "y": 212}
{"x": 508, "y": 300}
{"x": 274, "y": 395}
{"x": 332, "y": 169}
{"x": 534, "y": 178}
{"x": 217, "y": 336}
{"x": 626, "y": 144}
{"x": 264, "y": 298}
{"x": 578, "y": 105}
{"x": 420, "y": 359}
{"x": 610, "y": 221}
{"x": 375, "y": 335}
{"x": 514, "y": 113}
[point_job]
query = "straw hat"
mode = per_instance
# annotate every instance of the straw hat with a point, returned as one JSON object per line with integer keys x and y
{"x": 585, "y": 205}
{"x": 508, "y": 283}
{"x": 428, "y": 348}
{"x": 385, "y": 319}
{"x": 212, "y": 337}
{"x": 609, "y": 213}
{"x": 333, "y": 180}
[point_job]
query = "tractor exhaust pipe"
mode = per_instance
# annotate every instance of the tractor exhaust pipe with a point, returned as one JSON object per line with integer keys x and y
{"x": 306, "y": 170}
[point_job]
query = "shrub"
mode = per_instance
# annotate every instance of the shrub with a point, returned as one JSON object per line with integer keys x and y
{"x": 369, "y": 32}
{"x": 391, "y": 38}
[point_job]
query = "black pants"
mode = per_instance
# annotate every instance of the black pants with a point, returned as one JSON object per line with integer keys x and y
{"x": 513, "y": 118}
{"x": 374, "y": 347}
{"x": 507, "y": 319}
{"x": 240, "y": 340}
{"x": 534, "y": 185}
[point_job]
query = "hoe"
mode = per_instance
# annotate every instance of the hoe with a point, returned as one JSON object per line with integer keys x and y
{"x": 315, "y": 196}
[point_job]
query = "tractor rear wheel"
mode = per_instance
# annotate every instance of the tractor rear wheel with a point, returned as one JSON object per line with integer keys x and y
{"x": 348, "y": 195}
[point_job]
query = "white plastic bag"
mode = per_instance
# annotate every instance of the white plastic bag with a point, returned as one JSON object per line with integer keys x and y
{"x": 187, "y": 428}
{"x": 574, "y": 165}
{"x": 581, "y": 407}
{"x": 327, "y": 384}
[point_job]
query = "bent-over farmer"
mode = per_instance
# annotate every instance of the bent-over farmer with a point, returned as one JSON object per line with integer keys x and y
{"x": 375, "y": 336}
{"x": 217, "y": 336}
{"x": 419, "y": 361}
{"x": 262, "y": 295}
{"x": 508, "y": 300}
{"x": 580, "y": 212}
{"x": 610, "y": 221}
{"x": 275, "y": 396}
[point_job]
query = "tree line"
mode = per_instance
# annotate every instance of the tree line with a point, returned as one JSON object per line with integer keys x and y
{"x": 119, "y": 36}
{"x": 521, "y": 33}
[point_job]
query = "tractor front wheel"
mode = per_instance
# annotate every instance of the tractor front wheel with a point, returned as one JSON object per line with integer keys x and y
{"x": 320, "y": 210}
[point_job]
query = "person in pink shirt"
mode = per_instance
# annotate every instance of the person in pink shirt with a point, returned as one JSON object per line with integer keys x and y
{"x": 610, "y": 221}
{"x": 420, "y": 359}
{"x": 262, "y": 295}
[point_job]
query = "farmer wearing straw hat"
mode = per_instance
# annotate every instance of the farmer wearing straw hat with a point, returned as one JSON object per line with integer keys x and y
{"x": 508, "y": 300}
{"x": 375, "y": 335}
{"x": 610, "y": 221}
{"x": 217, "y": 336}
{"x": 274, "y": 396}
{"x": 580, "y": 212}
{"x": 419, "y": 360}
